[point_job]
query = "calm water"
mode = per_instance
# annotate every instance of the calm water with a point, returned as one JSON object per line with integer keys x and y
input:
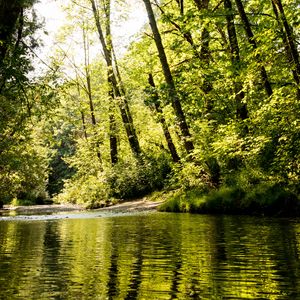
{"x": 149, "y": 256}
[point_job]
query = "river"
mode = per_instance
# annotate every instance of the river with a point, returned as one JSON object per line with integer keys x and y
{"x": 149, "y": 256}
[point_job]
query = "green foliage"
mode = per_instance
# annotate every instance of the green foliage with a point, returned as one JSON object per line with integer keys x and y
{"x": 237, "y": 165}
{"x": 59, "y": 169}
{"x": 90, "y": 190}
{"x": 183, "y": 201}
{"x": 126, "y": 180}
{"x": 132, "y": 179}
{"x": 23, "y": 175}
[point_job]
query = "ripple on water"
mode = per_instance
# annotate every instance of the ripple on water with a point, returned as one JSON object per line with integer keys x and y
{"x": 148, "y": 256}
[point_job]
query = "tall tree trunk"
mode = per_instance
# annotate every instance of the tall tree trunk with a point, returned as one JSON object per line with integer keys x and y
{"x": 241, "y": 108}
{"x": 163, "y": 122}
{"x": 118, "y": 95}
{"x": 115, "y": 62}
{"x": 113, "y": 140}
{"x": 81, "y": 111}
{"x": 203, "y": 55}
{"x": 252, "y": 41}
{"x": 181, "y": 121}
{"x": 288, "y": 41}
{"x": 89, "y": 90}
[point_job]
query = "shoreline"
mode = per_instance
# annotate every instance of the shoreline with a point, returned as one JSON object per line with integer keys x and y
{"x": 139, "y": 205}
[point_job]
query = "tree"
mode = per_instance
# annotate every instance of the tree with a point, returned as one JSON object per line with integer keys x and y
{"x": 252, "y": 41}
{"x": 181, "y": 120}
{"x": 155, "y": 100}
{"x": 20, "y": 148}
{"x": 289, "y": 41}
{"x": 118, "y": 93}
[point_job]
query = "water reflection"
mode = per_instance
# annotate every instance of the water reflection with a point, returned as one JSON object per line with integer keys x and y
{"x": 154, "y": 256}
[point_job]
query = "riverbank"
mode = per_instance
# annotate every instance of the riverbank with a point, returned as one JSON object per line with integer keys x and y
{"x": 264, "y": 200}
{"x": 42, "y": 209}
{"x": 138, "y": 205}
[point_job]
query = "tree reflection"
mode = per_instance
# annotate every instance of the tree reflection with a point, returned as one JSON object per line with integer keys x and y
{"x": 155, "y": 256}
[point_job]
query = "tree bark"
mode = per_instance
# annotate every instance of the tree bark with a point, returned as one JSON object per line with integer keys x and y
{"x": 181, "y": 120}
{"x": 163, "y": 122}
{"x": 252, "y": 42}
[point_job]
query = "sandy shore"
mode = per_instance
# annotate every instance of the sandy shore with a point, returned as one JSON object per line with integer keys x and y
{"x": 128, "y": 206}
{"x": 131, "y": 206}
{"x": 40, "y": 209}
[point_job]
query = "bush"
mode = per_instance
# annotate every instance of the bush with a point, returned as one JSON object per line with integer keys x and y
{"x": 90, "y": 190}
{"x": 136, "y": 178}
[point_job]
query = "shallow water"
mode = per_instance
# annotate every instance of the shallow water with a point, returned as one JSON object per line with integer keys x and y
{"x": 148, "y": 256}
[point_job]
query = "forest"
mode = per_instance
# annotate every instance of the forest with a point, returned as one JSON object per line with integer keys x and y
{"x": 201, "y": 108}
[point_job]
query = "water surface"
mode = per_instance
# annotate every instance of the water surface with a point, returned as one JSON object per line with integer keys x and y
{"x": 149, "y": 256}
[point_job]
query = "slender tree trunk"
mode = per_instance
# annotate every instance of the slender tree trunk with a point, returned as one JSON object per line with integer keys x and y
{"x": 89, "y": 90}
{"x": 163, "y": 122}
{"x": 113, "y": 140}
{"x": 205, "y": 57}
{"x": 115, "y": 63}
{"x": 118, "y": 96}
{"x": 185, "y": 133}
{"x": 288, "y": 41}
{"x": 252, "y": 42}
{"x": 241, "y": 110}
{"x": 81, "y": 111}
{"x": 289, "y": 35}
{"x": 181, "y": 6}
{"x": 83, "y": 124}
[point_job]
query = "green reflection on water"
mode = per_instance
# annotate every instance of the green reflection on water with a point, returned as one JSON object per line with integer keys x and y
{"x": 155, "y": 256}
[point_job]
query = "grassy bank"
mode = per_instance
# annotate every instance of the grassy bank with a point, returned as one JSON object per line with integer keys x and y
{"x": 262, "y": 199}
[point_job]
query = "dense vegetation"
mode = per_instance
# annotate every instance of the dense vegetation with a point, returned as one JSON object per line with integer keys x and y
{"x": 203, "y": 106}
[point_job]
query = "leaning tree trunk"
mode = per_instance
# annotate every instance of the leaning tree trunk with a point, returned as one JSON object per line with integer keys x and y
{"x": 117, "y": 93}
{"x": 289, "y": 42}
{"x": 181, "y": 120}
{"x": 241, "y": 107}
{"x": 252, "y": 42}
{"x": 163, "y": 122}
